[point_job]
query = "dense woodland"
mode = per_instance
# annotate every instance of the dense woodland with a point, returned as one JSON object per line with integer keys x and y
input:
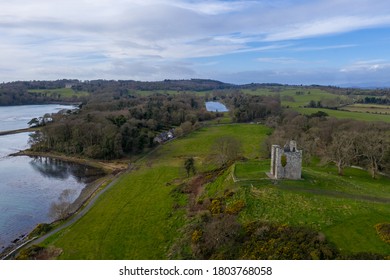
{"x": 108, "y": 127}
{"x": 112, "y": 126}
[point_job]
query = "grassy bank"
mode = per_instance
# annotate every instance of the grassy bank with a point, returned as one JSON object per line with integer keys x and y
{"x": 142, "y": 215}
{"x": 139, "y": 218}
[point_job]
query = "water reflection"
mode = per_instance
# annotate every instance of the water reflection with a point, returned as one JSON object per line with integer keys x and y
{"x": 29, "y": 185}
{"x": 61, "y": 170}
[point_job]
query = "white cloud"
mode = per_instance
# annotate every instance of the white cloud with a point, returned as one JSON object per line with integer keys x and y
{"x": 77, "y": 36}
{"x": 365, "y": 66}
{"x": 328, "y": 26}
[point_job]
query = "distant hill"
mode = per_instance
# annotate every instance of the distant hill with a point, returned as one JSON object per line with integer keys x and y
{"x": 72, "y": 90}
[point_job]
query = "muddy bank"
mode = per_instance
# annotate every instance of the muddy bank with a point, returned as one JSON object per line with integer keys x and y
{"x": 8, "y": 132}
{"x": 109, "y": 167}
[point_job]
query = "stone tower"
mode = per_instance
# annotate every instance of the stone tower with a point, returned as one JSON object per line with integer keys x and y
{"x": 286, "y": 162}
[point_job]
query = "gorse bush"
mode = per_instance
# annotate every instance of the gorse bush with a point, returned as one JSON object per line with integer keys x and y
{"x": 215, "y": 207}
{"x": 282, "y": 242}
{"x": 235, "y": 207}
{"x": 384, "y": 231}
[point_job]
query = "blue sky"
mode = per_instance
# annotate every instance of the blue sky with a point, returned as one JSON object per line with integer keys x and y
{"x": 332, "y": 42}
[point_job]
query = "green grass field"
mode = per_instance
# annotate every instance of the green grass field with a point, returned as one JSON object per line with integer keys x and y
{"x": 301, "y": 96}
{"x": 139, "y": 218}
{"x": 291, "y": 99}
{"x": 360, "y": 116}
{"x": 134, "y": 220}
{"x": 297, "y": 98}
{"x": 368, "y": 108}
{"x": 62, "y": 92}
{"x": 345, "y": 209}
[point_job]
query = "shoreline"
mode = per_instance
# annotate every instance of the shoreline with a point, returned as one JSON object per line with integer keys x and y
{"x": 86, "y": 194}
{"x": 16, "y": 131}
{"x": 111, "y": 170}
{"x": 108, "y": 167}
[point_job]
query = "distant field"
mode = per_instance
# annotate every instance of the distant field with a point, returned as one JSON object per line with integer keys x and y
{"x": 62, "y": 92}
{"x": 295, "y": 97}
{"x": 346, "y": 114}
{"x": 298, "y": 98}
{"x": 150, "y": 92}
{"x": 368, "y": 108}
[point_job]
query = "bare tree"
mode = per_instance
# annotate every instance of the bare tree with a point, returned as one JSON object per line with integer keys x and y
{"x": 225, "y": 150}
{"x": 59, "y": 209}
{"x": 342, "y": 149}
{"x": 374, "y": 144}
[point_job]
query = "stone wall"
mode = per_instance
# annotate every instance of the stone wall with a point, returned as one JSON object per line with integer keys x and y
{"x": 293, "y": 160}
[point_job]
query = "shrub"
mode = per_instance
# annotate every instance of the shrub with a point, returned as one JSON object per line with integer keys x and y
{"x": 215, "y": 207}
{"x": 221, "y": 238}
{"x": 37, "y": 252}
{"x": 270, "y": 241}
{"x": 235, "y": 207}
{"x": 196, "y": 236}
{"x": 383, "y": 231}
{"x": 40, "y": 229}
{"x": 30, "y": 253}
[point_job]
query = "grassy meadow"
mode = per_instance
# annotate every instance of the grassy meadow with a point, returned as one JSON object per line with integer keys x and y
{"x": 360, "y": 116}
{"x": 297, "y": 98}
{"x": 139, "y": 218}
{"x": 62, "y": 92}
{"x": 368, "y": 108}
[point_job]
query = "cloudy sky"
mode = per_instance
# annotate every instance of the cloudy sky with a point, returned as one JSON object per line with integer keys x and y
{"x": 336, "y": 42}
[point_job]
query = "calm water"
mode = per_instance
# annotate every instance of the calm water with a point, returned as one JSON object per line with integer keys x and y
{"x": 16, "y": 117}
{"x": 29, "y": 185}
{"x": 213, "y": 106}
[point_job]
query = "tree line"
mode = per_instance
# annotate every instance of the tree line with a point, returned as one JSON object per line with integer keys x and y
{"x": 108, "y": 128}
{"x": 17, "y": 93}
{"x": 375, "y": 100}
{"x": 342, "y": 141}
{"x": 112, "y": 124}
{"x": 246, "y": 107}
